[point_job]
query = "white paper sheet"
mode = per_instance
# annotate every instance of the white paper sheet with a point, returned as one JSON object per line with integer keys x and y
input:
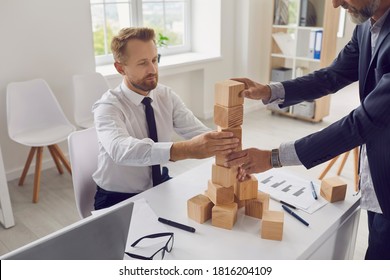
{"x": 282, "y": 185}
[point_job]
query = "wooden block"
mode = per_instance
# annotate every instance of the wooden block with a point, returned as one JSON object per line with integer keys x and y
{"x": 224, "y": 176}
{"x": 224, "y": 216}
{"x": 228, "y": 116}
{"x": 246, "y": 189}
{"x": 220, "y": 195}
{"x": 272, "y": 225}
{"x": 333, "y": 189}
{"x": 199, "y": 208}
{"x": 228, "y": 93}
{"x": 240, "y": 203}
{"x": 237, "y": 132}
{"x": 256, "y": 207}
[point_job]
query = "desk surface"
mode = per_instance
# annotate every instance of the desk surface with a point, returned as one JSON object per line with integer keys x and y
{"x": 169, "y": 200}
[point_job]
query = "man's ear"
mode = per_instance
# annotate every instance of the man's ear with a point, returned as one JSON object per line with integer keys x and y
{"x": 119, "y": 68}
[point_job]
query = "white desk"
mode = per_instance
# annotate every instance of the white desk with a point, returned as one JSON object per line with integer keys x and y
{"x": 6, "y": 214}
{"x": 331, "y": 234}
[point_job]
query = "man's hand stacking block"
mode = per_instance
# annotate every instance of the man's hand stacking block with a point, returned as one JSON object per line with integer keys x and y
{"x": 228, "y": 93}
{"x": 246, "y": 189}
{"x": 256, "y": 207}
{"x": 272, "y": 225}
{"x": 224, "y": 176}
{"x": 333, "y": 189}
{"x": 224, "y": 216}
{"x": 228, "y": 116}
{"x": 199, "y": 208}
{"x": 220, "y": 195}
{"x": 237, "y": 133}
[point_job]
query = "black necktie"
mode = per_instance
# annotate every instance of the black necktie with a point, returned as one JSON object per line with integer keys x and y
{"x": 156, "y": 171}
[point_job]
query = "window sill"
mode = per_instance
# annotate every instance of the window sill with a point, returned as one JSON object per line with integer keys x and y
{"x": 177, "y": 61}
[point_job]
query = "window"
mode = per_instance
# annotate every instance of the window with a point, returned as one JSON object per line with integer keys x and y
{"x": 171, "y": 18}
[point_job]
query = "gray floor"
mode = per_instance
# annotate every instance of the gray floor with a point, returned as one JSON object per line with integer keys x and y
{"x": 261, "y": 129}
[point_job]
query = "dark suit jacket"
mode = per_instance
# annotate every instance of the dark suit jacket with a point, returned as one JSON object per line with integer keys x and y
{"x": 369, "y": 123}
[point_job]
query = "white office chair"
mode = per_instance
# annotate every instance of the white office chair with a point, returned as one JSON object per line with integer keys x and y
{"x": 83, "y": 154}
{"x": 88, "y": 89}
{"x": 35, "y": 119}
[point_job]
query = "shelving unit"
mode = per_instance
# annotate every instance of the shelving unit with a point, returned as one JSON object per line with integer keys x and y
{"x": 296, "y": 56}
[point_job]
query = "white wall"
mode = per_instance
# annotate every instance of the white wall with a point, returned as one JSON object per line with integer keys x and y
{"x": 47, "y": 39}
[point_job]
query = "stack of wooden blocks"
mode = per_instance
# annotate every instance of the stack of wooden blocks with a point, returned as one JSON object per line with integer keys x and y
{"x": 225, "y": 194}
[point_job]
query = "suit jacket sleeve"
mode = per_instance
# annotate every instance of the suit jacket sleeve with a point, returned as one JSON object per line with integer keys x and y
{"x": 360, "y": 126}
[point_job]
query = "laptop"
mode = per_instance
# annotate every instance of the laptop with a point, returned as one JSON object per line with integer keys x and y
{"x": 101, "y": 236}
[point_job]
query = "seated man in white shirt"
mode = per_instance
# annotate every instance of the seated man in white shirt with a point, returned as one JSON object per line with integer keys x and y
{"x": 133, "y": 143}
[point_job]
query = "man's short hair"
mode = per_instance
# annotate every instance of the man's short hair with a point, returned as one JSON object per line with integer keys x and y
{"x": 118, "y": 43}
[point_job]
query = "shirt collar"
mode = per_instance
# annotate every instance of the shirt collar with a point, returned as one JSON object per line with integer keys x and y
{"x": 133, "y": 96}
{"x": 379, "y": 23}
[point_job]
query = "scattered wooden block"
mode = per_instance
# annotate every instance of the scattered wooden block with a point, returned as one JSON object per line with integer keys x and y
{"x": 272, "y": 225}
{"x": 199, "y": 208}
{"x": 256, "y": 207}
{"x": 224, "y": 176}
{"x": 220, "y": 195}
{"x": 246, "y": 189}
{"x": 228, "y": 116}
{"x": 228, "y": 93}
{"x": 333, "y": 189}
{"x": 240, "y": 203}
{"x": 224, "y": 216}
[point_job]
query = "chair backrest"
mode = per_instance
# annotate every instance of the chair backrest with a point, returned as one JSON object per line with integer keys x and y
{"x": 32, "y": 105}
{"x": 83, "y": 155}
{"x": 88, "y": 89}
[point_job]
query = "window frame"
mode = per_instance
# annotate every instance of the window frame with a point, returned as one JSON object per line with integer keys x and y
{"x": 137, "y": 20}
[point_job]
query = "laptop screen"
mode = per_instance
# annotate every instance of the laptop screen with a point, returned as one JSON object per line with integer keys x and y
{"x": 101, "y": 236}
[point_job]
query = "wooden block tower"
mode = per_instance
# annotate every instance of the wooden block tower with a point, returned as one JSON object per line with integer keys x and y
{"x": 225, "y": 194}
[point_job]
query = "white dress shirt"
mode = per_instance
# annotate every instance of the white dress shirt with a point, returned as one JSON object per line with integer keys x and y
{"x": 125, "y": 151}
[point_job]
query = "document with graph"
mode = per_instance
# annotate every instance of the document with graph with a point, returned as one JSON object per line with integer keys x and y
{"x": 285, "y": 186}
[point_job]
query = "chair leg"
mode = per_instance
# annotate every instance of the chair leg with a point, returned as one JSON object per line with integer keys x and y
{"x": 356, "y": 159}
{"x": 37, "y": 176}
{"x": 27, "y": 165}
{"x": 56, "y": 159}
{"x": 346, "y": 154}
{"x": 328, "y": 167}
{"x": 62, "y": 158}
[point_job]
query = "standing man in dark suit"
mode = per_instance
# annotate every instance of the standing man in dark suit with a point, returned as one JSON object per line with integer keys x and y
{"x": 366, "y": 58}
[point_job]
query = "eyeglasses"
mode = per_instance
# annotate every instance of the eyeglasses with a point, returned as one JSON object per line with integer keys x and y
{"x": 159, "y": 255}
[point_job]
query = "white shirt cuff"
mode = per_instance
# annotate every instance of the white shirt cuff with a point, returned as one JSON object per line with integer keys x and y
{"x": 277, "y": 94}
{"x": 161, "y": 152}
{"x": 288, "y": 155}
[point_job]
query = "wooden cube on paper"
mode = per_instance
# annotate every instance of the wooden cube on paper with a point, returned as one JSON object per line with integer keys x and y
{"x": 272, "y": 225}
{"x": 228, "y": 93}
{"x": 246, "y": 189}
{"x": 228, "y": 116}
{"x": 220, "y": 195}
{"x": 199, "y": 208}
{"x": 224, "y": 176}
{"x": 256, "y": 207}
{"x": 224, "y": 216}
{"x": 333, "y": 189}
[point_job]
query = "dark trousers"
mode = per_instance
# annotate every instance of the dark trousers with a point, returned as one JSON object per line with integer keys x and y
{"x": 378, "y": 238}
{"x": 104, "y": 199}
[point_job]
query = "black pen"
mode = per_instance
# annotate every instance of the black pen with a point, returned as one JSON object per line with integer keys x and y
{"x": 176, "y": 225}
{"x": 313, "y": 190}
{"x": 283, "y": 202}
{"x": 295, "y": 215}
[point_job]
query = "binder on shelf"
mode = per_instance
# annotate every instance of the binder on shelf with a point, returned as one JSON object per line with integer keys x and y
{"x": 312, "y": 41}
{"x": 318, "y": 45}
{"x": 303, "y": 13}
